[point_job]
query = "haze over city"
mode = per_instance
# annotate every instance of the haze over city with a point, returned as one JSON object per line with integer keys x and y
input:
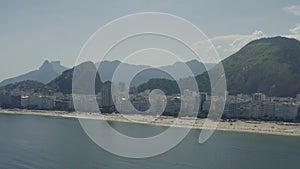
{"x": 34, "y": 31}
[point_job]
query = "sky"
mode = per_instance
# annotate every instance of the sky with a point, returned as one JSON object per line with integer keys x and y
{"x": 32, "y": 31}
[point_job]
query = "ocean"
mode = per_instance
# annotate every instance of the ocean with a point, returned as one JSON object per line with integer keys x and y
{"x": 39, "y": 142}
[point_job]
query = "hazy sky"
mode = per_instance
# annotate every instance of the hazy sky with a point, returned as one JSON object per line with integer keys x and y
{"x": 32, "y": 31}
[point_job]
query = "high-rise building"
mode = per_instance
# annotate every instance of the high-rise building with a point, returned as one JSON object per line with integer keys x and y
{"x": 106, "y": 95}
{"x": 203, "y": 98}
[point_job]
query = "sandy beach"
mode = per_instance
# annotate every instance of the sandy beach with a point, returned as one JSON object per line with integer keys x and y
{"x": 275, "y": 128}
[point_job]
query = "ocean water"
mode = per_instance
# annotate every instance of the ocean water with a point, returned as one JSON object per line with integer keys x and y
{"x": 37, "y": 142}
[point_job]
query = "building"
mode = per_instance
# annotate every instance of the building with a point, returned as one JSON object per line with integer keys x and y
{"x": 258, "y": 97}
{"x": 141, "y": 105}
{"x": 37, "y": 102}
{"x": 124, "y": 106}
{"x": 268, "y": 111}
{"x": 237, "y": 110}
{"x": 230, "y": 110}
{"x": 286, "y": 112}
{"x": 243, "y": 98}
{"x": 64, "y": 102}
{"x": 7, "y": 100}
{"x": 4, "y": 100}
{"x": 172, "y": 106}
{"x": 106, "y": 96}
{"x": 203, "y": 98}
{"x": 257, "y": 109}
{"x": 298, "y": 98}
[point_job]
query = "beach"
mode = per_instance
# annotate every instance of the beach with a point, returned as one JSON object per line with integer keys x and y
{"x": 263, "y": 127}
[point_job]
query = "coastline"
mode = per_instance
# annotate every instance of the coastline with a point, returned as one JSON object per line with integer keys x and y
{"x": 261, "y": 127}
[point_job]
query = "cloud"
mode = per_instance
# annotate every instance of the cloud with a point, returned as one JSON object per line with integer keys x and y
{"x": 241, "y": 41}
{"x": 294, "y": 9}
{"x": 226, "y": 45}
{"x": 294, "y": 32}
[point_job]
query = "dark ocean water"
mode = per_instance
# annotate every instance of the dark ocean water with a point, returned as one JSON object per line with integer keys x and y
{"x": 38, "y": 142}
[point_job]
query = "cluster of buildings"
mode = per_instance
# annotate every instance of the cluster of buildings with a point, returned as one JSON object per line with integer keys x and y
{"x": 259, "y": 107}
{"x": 57, "y": 101}
{"x": 256, "y": 106}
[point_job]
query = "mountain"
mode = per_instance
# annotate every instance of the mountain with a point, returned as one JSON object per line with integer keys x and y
{"x": 47, "y": 72}
{"x": 267, "y": 65}
{"x": 108, "y": 68}
{"x": 195, "y": 66}
{"x": 63, "y": 83}
{"x": 28, "y": 86}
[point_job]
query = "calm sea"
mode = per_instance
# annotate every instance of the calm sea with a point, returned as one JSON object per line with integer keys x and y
{"x": 38, "y": 142}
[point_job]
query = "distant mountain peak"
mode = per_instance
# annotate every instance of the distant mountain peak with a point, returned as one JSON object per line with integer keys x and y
{"x": 46, "y": 73}
{"x": 46, "y": 62}
{"x": 46, "y": 65}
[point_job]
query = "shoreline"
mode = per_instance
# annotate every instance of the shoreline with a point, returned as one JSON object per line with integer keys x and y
{"x": 260, "y": 127}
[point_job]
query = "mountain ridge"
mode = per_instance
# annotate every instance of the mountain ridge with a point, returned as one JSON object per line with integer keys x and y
{"x": 268, "y": 65}
{"x": 44, "y": 74}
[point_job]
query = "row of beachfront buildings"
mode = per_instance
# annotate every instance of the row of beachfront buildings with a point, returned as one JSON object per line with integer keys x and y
{"x": 38, "y": 101}
{"x": 256, "y": 106}
{"x": 259, "y": 107}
